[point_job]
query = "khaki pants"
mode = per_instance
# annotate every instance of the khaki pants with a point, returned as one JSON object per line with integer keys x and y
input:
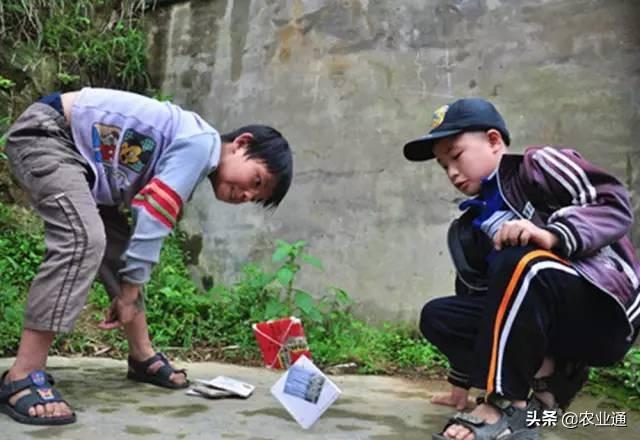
{"x": 81, "y": 238}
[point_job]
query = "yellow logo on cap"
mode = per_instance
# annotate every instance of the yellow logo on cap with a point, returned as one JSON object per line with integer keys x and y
{"x": 438, "y": 116}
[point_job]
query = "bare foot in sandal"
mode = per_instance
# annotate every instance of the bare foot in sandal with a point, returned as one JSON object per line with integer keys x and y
{"x": 145, "y": 365}
{"x": 457, "y": 398}
{"x": 177, "y": 378}
{"x": 157, "y": 370}
{"x": 41, "y": 403}
{"x": 486, "y": 412}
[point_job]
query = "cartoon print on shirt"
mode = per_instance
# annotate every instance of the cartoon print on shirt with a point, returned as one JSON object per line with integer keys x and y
{"x": 107, "y": 152}
{"x": 136, "y": 150}
{"x": 105, "y": 139}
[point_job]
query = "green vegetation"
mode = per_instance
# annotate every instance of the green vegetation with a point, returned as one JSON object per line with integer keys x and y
{"x": 91, "y": 41}
{"x": 21, "y": 249}
{"x": 620, "y": 384}
{"x": 48, "y": 45}
{"x": 216, "y": 324}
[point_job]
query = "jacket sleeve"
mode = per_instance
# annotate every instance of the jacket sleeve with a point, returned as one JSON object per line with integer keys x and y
{"x": 157, "y": 206}
{"x": 592, "y": 208}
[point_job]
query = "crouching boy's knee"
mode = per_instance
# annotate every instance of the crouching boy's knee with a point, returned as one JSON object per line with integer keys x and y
{"x": 431, "y": 320}
{"x": 507, "y": 259}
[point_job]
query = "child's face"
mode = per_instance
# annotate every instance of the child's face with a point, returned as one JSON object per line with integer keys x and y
{"x": 239, "y": 179}
{"x": 468, "y": 158}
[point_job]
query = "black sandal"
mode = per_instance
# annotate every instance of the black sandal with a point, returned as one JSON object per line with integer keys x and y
{"x": 564, "y": 383}
{"x": 40, "y": 385}
{"x": 139, "y": 371}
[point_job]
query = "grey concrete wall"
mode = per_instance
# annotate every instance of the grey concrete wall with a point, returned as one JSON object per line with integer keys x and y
{"x": 348, "y": 81}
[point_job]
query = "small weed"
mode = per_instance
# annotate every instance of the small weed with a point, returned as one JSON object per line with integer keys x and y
{"x": 619, "y": 384}
{"x": 160, "y": 96}
{"x": 6, "y": 84}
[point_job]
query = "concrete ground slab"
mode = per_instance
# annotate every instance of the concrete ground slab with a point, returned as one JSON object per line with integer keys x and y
{"x": 371, "y": 407}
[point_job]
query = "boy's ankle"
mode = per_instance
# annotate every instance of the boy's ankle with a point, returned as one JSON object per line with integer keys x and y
{"x": 141, "y": 354}
{"x": 547, "y": 399}
{"x": 521, "y": 404}
{"x": 15, "y": 374}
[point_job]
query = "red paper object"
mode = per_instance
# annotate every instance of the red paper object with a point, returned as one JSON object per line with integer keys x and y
{"x": 281, "y": 342}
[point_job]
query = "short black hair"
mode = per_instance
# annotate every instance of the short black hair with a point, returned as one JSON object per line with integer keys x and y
{"x": 268, "y": 146}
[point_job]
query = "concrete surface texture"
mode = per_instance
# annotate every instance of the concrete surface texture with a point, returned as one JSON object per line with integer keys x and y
{"x": 349, "y": 81}
{"x": 371, "y": 407}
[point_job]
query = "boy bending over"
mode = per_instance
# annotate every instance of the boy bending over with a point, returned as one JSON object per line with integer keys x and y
{"x": 81, "y": 156}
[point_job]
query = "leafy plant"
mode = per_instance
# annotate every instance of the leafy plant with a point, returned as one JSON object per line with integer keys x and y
{"x": 21, "y": 250}
{"x": 67, "y": 79}
{"x": 6, "y": 84}
{"x": 619, "y": 384}
{"x": 160, "y": 96}
{"x": 294, "y": 300}
{"x": 4, "y": 126}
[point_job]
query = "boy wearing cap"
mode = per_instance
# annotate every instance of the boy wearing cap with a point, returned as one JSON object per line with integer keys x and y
{"x": 547, "y": 278}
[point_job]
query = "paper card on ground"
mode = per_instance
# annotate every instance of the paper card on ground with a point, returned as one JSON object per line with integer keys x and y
{"x": 210, "y": 393}
{"x": 242, "y": 389}
{"x": 305, "y": 392}
{"x": 229, "y": 384}
{"x": 281, "y": 342}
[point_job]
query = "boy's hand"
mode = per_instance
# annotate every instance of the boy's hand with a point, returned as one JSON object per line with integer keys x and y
{"x": 521, "y": 233}
{"x": 123, "y": 309}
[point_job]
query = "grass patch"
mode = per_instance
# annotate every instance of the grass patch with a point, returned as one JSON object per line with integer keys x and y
{"x": 61, "y": 45}
{"x": 619, "y": 384}
{"x": 216, "y": 325}
{"x": 90, "y": 42}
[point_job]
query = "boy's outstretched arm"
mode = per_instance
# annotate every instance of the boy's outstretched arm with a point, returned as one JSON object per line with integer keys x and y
{"x": 594, "y": 208}
{"x": 156, "y": 209}
{"x": 158, "y": 205}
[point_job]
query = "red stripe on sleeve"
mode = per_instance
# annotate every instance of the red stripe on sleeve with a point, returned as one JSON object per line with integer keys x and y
{"x": 174, "y": 195}
{"x": 152, "y": 211}
{"x": 160, "y": 200}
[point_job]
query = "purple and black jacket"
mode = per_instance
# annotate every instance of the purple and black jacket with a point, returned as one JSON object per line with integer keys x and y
{"x": 585, "y": 207}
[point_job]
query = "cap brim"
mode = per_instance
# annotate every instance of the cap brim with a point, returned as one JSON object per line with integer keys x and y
{"x": 422, "y": 148}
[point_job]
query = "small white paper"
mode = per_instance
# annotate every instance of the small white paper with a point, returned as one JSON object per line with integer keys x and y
{"x": 305, "y": 392}
{"x": 225, "y": 383}
{"x": 210, "y": 393}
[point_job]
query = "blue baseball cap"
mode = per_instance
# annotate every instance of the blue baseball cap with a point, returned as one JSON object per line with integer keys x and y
{"x": 468, "y": 114}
